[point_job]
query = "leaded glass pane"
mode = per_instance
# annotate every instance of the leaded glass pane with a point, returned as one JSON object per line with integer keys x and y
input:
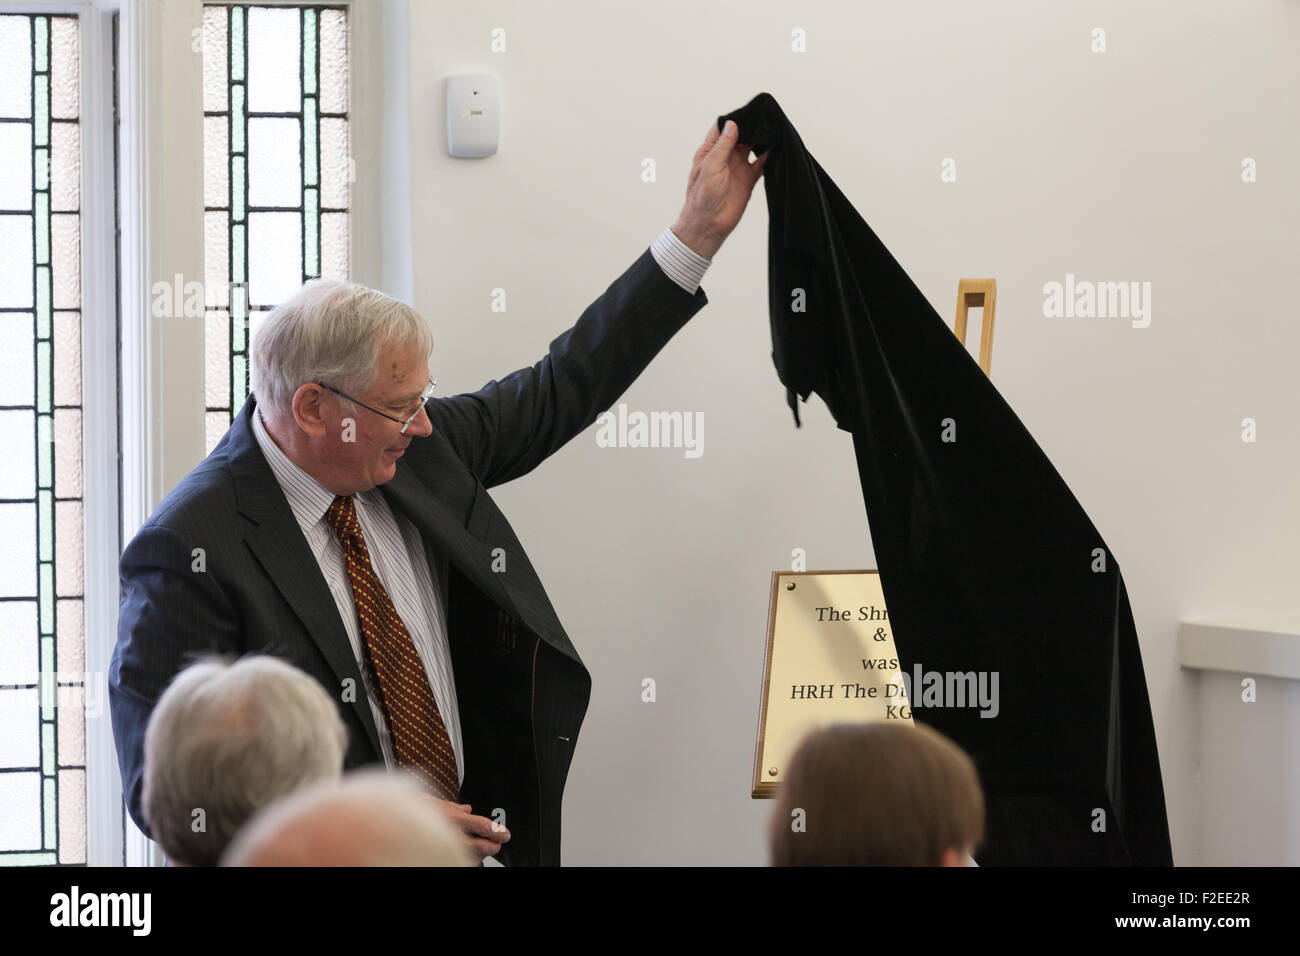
{"x": 18, "y": 642}
{"x": 67, "y": 452}
{"x": 273, "y": 36}
{"x": 16, "y": 166}
{"x": 215, "y": 425}
{"x": 274, "y": 256}
{"x": 16, "y": 57}
{"x": 19, "y": 728}
{"x": 72, "y": 816}
{"x": 71, "y": 637}
{"x": 217, "y": 348}
{"x": 334, "y": 163}
{"x": 215, "y": 53}
{"x": 65, "y": 69}
{"x": 67, "y": 370}
{"x": 216, "y": 171}
{"x": 333, "y": 61}
{"x": 18, "y": 556}
{"x": 17, "y": 365}
{"x": 65, "y": 241}
{"x": 18, "y": 476}
{"x": 15, "y": 260}
{"x": 72, "y": 722}
{"x": 334, "y": 245}
{"x": 274, "y": 166}
{"x": 68, "y": 530}
{"x": 65, "y": 167}
{"x": 216, "y": 240}
{"x": 20, "y": 824}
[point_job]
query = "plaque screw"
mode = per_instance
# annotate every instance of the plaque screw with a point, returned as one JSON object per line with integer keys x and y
{"x": 789, "y": 585}
{"x": 771, "y": 771}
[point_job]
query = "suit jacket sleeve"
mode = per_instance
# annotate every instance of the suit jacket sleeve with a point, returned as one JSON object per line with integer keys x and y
{"x": 509, "y": 426}
{"x": 172, "y": 611}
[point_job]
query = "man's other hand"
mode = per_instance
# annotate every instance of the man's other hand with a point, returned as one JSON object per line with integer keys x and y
{"x": 484, "y": 836}
{"x": 722, "y": 178}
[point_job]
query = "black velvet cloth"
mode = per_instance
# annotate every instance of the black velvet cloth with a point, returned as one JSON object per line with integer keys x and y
{"x": 987, "y": 560}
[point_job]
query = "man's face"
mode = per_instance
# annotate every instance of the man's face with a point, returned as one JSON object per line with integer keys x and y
{"x": 360, "y": 448}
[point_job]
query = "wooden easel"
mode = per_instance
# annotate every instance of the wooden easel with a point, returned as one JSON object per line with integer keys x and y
{"x": 978, "y": 292}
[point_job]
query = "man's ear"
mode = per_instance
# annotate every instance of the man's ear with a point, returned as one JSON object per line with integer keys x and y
{"x": 308, "y": 410}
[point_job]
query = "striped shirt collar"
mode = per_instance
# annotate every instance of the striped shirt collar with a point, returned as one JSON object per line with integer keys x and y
{"x": 308, "y": 498}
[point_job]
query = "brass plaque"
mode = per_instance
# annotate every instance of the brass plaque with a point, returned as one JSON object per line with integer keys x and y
{"x": 830, "y": 659}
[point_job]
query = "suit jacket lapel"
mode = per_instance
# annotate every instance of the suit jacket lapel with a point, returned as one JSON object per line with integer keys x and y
{"x": 280, "y": 548}
{"x": 446, "y": 535}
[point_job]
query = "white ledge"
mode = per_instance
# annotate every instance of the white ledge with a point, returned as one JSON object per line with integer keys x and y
{"x": 1264, "y": 646}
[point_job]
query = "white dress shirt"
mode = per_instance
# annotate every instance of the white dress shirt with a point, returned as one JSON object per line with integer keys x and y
{"x": 397, "y": 551}
{"x": 398, "y": 558}
{"x": 679, "y": 262}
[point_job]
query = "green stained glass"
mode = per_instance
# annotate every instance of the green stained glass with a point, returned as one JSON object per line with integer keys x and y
{"x": 43, "y": 169}
{"x": 310, "y": 150}
{"x": 45, "y": 523}
{"x": 47, "y": 671}
{"x": 238, "y": 259}
{"x": 43, "y": 301}
{"x": 41, "y": 38}
{"x": 41, "y": 133}
{"x": 44, "y": 450}
{"x": 239, "y": 378}
{"x": 51, "y": 814}
{"x": 44, "y": 382}
{"x": 47, "y": 748}
{"x": 309, "y": 51}
{"x": 43, "y": 228}
{"x": 237, "y": 43}
{"x": 47, "y": 598}
{"x": 311, "y": 233}
{"x": 28, "y": 859}
{"x": 237, "y": 173}
{"x": 237, "y": 118}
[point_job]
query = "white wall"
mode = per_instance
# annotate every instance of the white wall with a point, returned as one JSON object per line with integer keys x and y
{"x": 1249, "y": 793}
{"x": 1114, "y": 166}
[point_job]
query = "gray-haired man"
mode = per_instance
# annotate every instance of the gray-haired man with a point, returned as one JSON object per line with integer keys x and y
{"x": 404, "y": 590}
{"x": 227, "y": 739}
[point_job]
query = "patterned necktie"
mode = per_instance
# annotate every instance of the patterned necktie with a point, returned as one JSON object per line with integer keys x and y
{"x": 420, "y": 737}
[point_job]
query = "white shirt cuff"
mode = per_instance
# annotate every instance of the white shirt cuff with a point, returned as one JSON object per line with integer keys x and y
{"x": 679, "y": 262}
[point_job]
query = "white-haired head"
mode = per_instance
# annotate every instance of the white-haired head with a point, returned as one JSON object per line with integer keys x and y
{"x": 330, "y": 333}
{"x": 227, "y": 738}
{"x": 371, "y": 817}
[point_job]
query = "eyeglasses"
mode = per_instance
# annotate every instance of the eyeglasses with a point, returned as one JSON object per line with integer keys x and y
{"x": 404, "y": 422}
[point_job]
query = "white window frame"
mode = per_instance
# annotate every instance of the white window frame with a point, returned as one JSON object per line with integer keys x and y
{"x": 104, "y": 841}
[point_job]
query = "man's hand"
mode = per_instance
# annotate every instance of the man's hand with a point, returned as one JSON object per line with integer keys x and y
{"x": 722, "y": 178}
{"x": 484, "y": 836}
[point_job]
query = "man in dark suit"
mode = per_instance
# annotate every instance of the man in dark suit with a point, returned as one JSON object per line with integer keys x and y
{"x": 404, "y": 590}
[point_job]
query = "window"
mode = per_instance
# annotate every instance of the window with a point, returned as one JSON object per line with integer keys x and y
{"x": 42, "y": 634}
{"x": 276, "y": 175}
